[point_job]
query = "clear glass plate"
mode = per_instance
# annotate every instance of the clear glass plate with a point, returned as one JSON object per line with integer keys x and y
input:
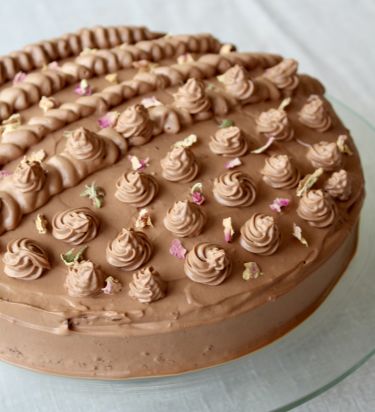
{"x": 328, "y": 346}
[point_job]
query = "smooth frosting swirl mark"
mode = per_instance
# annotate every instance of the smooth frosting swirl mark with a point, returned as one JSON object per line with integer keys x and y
{"x": 260, "y": 235}
{"x": 75, "y": 226}
{"x": 317, "y": 209}
{"x": 234, "y": 189}
{"x": 274, "y": 123}
{"x": 325, "y": 155}
{"x": 25, "y": 259}
{"x": 130, "y": 250}
{"x": 315, "y": 115}
{"x": 179, "y": 165}
{"x": 228, "y": 141}
{"x": 236, "y": 83}
{"x": 29, "y": 176}
{"x": 207, "y": 263}
{"x": 284, "y": 75}
{"x": 147, "y": 286}
{"x": 192, "y": 97}
{"x": 185, "y": 219}
{"x": 137, "y": 189}
{"x": 135, "y": 124}
{"x": 83, "y": 279}
{"x": 279, "y": 172}
{"x": 83, "y": 144}
{"x": 339, "y": 185}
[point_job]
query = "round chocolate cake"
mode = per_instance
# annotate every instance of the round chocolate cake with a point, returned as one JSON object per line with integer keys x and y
{"x": 167, "y": 203}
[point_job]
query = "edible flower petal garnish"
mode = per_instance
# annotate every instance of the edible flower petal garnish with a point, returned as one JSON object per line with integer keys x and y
{"x": 138, "y": 164}
{"x": 19, "y": 77}
{"x": 279, "y": 203}
{"x": 5, "y": 173}
{"x": 233, "y": 163}
{"x": 228, "y": 229}
{"x": 38, "y": 156}
{"x": 226, "y": 48}
{"x": 308, "y": 182}
{"x": 47, "y": 103}
{"x": 70, "y": 257}
{"x": 185, "y": 58}
{"x": 108, "y": 120}
{"x": 263, "y": 148}
{"x": 112, "y": 286}
{"x": 252, "y": 271}
{"x": 152, "y": 101}
{"x": 177, "y": 250}
{"x": 284, "y": 103}
{"x": 187, "y": 142}
{"x": 297, "y": 233}
{"x": 95, "y": 194}
{"x": 143, "y": 219}
{"x": 343, "y": 146}
{"x": 41, "y": 224}
{"x": 226, "y": 123}
{"x": 83, "y": 88}
{"x": 112, "y": 78}
{"x": 197, "y": 194}
{"x": 11, "y": 124}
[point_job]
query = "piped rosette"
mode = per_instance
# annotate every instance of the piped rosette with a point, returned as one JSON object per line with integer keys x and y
{"x": 147, "y": 286}
{"x": 284, "y": 75}
{"x": 317, "y": 208}
{"x": 179, "y": 165}
{"x": 325, "y": 155}
{"x": 279, "y": 172}
{"x": 136, "y": 188}
{"x": 339, "y": 185}
{"x": 275, "y": 123}
{"x": 29, "y": 176}
{"x": 315, "y": 115}
{"x": 237, "y": 84}
{"x": 234, "y": 189}
{"x": 228, "y": 142}
{"x": 84, "y": 279}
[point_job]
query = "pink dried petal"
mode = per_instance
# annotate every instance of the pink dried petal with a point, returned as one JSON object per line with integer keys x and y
{"x": 279, "y": 203}
{"x": 152, "y": 101}
{"x": 233, "y": 163}
{"x": 198, "y": 198}
{"x": 5, "y": 173}
{"x": 138, "y": 164}
{"x": 108, "y": 120}
{"x": 228, "y": 229}
{"x": 177, "y": 250}
{"x": 19, "y": 77}
{"x": 53, "y": 65}
{"x": 83, "y": 88}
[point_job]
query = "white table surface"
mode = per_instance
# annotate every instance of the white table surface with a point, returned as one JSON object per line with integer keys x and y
{"x": 332, "y": 39}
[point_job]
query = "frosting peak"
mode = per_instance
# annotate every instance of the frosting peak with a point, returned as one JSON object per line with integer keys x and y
{"x": 137, "y": 189}
{"x": 75, "y": 226}
{"x": 234, "y": 189}
{"x": 284, "y": 75}
{"x": 236, "y": 83}
{"x": 325, "y": 155}
{"x": 208, "y": 264}
{"x": 147, "y": 285}
{"x": 185, "y": 219}
{"x": 260, "y": 235}
{"x": 130, "y": 250}
{"x": 29, "y": 176}
{"x": 274, "y": 123}
{"x": 339, "y": 185}
{"x": 135, "y": 124}
{"x": 83, "y": 279}
{"x": 179, "y": 165}
{"x": 228, "y": 141}
{"x": 279, "y": 172}
{"x": 192, "y": 97}
{"x": 315, "y": 115}
{"x": 83, "y": 144}
{"x": 25, "y": 259}
{"x": 317, "y": 209}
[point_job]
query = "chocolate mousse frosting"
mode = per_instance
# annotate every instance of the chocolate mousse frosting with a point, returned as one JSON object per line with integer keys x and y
{"x": 83, "y": 144}
{"x": 179, "y": 165}
{"x": 229, "y": 142}
{"x": 325, "y": 155}
{"x": 185, "y": 219}
{"x": 238, "y": 84}
{"x": 315, "y": 115}
{"x": 339, "y": 185}
{"x": 130, "y": 250}
{"x": 136, "y": 188}
{"x": 284, "y": 75}
{"x": 192, "y": 98}
{"x": 29, "y": 176}
{"x": 25, "y": 259}
{"x": 147, "y": 286}
{"x": 83, "y": 279}
{"x": 207, "y": 263}
{"x": 234, "y": 189}
{"x": 274, "y": 123}
{"x": 75, "y": 226}
{"x": 279, "y": 172}
{"x": 260, "y": 235}
{"x": 317, "y": 209}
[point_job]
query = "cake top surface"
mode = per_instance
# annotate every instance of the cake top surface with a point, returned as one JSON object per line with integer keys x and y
{"x": 153, "y": 181}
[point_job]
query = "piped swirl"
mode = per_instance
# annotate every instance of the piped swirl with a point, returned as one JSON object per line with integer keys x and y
{"x": 83, "y": 144}
{"x": 179, "y": 165}
{"x": 234, "y": 189}
{"x": 325, "y": 155}
{"x": 260, "y": 235}
{"x": 135, "y": 188}
{"x": 83, "y": 279}
{"x": 130, "y": 250}
{"x": 274, "y": 123}
{"x": 339, "y": 185}
{"x": 284, "y": 75}
{"x": 29, "y": 176}
{"x": 315, "y": 115}
{"x": 25, "y": 259}
{"x": 228, "y": 141}
{"x": 279, "y": 172}
{"x": 75, "y": 226}
{"x": 185, "y": 219}
{"x": 236, "y": 83}
{"x": 317, "y": 209}
{"x": 147, "y": 286}
{"x": 207, "y": 263}
{"x": 192, "y": 97}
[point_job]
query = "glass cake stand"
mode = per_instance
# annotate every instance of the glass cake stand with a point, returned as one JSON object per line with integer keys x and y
{"x": 328, "y": 346}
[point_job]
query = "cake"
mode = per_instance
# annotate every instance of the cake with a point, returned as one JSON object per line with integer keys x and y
{"x": 167, "y": 203}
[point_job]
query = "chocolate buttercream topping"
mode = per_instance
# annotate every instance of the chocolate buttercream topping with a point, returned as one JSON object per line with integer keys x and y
{"x": 229, "y": 141}
{"x": 279, "y": 172}
{"x": 147, "y": 285}
{"x": 325, "y": 155}
{"x": 315, "y": 115}
{"x": 237, "y": 83}
{"x": 83, "y": 279}
{"x": 317, "y": 209}
{"x": 29, "y": 176}
{"x": 234, "y": 189}
{"x": 274, "y": 123}
{"x": 192, "y": 97}
{"x": 185, "y": 219}
{"x": 130, "y": 250}
{"x": 284, "y": 75}
{"x": 135, "y": 188}
{"x": 84, "y": 144}
{"x": 179, "y": 165}
{"x": 207, "y": 263}
{"x": 135, "y": 124}
{"x": 75, "y": 226}
{"x": 339, "y": 185}
{"x": 260, "y": 235}
{"x": 25, "y": 259}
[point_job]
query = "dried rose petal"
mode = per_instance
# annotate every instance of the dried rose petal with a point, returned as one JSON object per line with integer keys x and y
{"x": 308, "y": 182}
{"x": 83, "y": 88}
{"x": 343, "y": 146}
{"x": 187, "y": 142}
{"x": 185, "y": 58}
{"x": 152, "y": 101}
{"x": 112, "y": 286}
{"x": 177, "y": 250}
{"x": 19, "y": 77}
{"x": 108, "y": 120}
{"x": 297, "y": 233}
{"x": 263, "y": 148}
{"x": 143, "y": 219}
{"x": 228, "y": 229}
{"x": 138, "y": 164}
{"x": 252, "y": 271}
{"x": 279, "y": 203}
{"x": 197, "y": 194}
{"x": 233, "y": 163}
